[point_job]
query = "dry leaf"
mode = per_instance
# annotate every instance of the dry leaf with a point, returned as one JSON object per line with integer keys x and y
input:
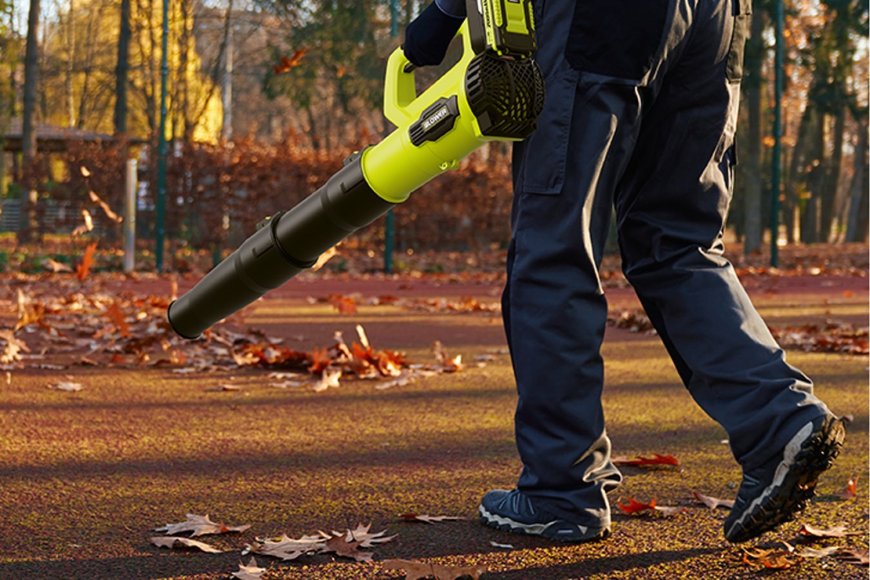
{"x": 12, "y": 348}
{"x": 251, "y": 571}
{"x": 448, "y": 365}
{"x": 85, "y": 227}
{"x": 174, "y": 543}
{"x": 833, "y": 532}
{"x": 634, "y": 507}
{"x": 713, "y": 502}
{"x": 857, "y": 557}
{"x": 669, "y": 511}
{"x": 117, "y": 317}
{"x": 348, "y": 549}
{"x": 286, "y": 548}
{"x": 641, "y": 461}
{"x": 83, "y": 268}
{"x": 105, "y": 207}
{"x": 223, "y": 389}
{"x": 820, "y": 553}
{"x": 288, "y": 63}
{"x": 85, "y": 171}
{"x": 504, "y": 546}
{"x": 428, "y": 519}
{"x": 199, "y": 526}
{"x": 55, "y": 266}
{"x": 323, "y": 258}
{"x": 418, "y": 570}
{"x": 329, "y": 378}
{"x": 771, "y": 559}
{"x": 66, "y": 386}
{"x": 851, "y": 490}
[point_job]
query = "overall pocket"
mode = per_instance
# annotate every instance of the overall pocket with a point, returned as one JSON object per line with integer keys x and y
{"x": 545, "y": 151}
{"x": 739, "y": 36}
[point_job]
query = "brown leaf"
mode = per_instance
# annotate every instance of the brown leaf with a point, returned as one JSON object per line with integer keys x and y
{"x": 66, "y": 386}
{"x": 117, "y": 317}
{"x": 286, "y": 548}
{"x": 174, "y": 543}
{"x": 105, "y": 207}
{"x": 640, "y": 461}
{"x": 771, "y": 559}
{"x": 415, "y": 570}
{"x": 84, "y": 267}
{"x": 347, "y": 549}
{"x": 199, "y": 526}
{"x": 343, "y": 304}
{"x": 713, "y": 502}
{"x": 833, "y": 532}
{"x": 429, "y": 519}
{"x": 857, "y": 557}
{"x": 448, "y": 365}
{"x": 55, "y": 266}
{"x": 329, "y": 379}
{"x": 12, "y": 349}
{"x": 85, "y": 227}
{"x": 820, "y": 553}
{"x": 251, "y": 571}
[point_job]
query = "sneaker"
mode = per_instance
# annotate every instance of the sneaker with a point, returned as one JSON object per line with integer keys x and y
{"x": 512, "y": 511}
{"x": 773, "y": 494}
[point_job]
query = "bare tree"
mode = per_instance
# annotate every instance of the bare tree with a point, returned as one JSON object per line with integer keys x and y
{"x": 122, "y": 69}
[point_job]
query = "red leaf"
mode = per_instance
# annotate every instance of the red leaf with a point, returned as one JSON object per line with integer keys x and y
{"x": 288, "y": 63}
{"x": 84, "y": 267}
{"x": 851, "y": 490}
{"x": 633, "y": 506}
{"x": 117, "y": 317}
{"x": 344, "y": 304}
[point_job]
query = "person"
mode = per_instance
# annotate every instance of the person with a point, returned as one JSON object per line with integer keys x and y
{"x": 639, "y": 115}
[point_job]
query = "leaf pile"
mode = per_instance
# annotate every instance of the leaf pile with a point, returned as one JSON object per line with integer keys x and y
{"x": 832, "y": 336}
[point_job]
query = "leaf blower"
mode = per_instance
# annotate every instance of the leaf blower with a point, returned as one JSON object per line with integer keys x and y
{"x": 493, "y": 93}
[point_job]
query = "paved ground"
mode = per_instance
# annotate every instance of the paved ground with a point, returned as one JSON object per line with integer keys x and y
{"x": 84, "y": 476}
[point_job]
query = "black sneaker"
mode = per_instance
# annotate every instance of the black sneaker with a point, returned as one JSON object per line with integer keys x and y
{"x": 772, "y": 495}
{"x": 512, "y": 511}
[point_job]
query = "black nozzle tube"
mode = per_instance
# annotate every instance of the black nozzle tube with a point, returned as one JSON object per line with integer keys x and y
{"x": 289, "y": 243}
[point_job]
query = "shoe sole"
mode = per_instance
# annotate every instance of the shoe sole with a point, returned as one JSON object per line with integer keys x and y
{"x": 569, "y": 533}
{"x": 794, "y": 483}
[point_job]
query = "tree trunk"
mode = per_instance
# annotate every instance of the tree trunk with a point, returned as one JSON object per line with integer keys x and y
{"x": 856, "y": 229}
{"x": 815, "y": 183}
{"x": 122, "y": 69}
{"x": 832, "y": 178}
{"x": 28, "y": 126}
{"x": 754, "y": 184}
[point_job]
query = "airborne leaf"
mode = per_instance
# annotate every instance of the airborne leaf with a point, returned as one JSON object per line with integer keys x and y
{"x": 84, "y": 267}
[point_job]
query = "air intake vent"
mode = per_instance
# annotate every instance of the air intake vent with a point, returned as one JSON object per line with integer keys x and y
{"x": 505, "y": 95}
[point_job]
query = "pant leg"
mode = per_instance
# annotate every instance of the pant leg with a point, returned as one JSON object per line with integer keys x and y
{"x": 554, "y": 308}
{"x": 671, "y": 209}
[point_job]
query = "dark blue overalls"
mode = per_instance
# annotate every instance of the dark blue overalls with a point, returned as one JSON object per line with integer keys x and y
{"x": 640, "y": 114}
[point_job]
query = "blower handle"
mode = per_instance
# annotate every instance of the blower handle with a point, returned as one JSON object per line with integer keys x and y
{"x": 402, "y": 104}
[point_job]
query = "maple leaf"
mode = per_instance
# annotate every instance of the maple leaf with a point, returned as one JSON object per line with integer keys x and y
{"x": 713, "y": 502}
{"x": 641, "y": 461}
{"x": 199, "y": 526}
{"x": 633, "y": 506}
{"x": 287, "y": 63}
{"x": 251, "y": 571}
{"x": 415, "y": 570}
{"x": 857, "y": 557}
{"x": 174, "y": 542}
{"x": 83, "y": 268}
{"x": 429, "y": 519}
{"x": 832, "y": 532}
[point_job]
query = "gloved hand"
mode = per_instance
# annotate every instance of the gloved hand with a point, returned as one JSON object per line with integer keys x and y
{"x": 428, "y": 36}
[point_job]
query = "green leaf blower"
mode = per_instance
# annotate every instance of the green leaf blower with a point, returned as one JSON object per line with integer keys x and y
{"x": 493, "y": 93}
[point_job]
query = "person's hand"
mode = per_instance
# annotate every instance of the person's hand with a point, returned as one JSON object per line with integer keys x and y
{"x": 428, "y": 36}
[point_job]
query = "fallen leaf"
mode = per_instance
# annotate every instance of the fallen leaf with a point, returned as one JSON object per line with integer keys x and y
{"x": 448, "y": 365}
{"x": 669, "y": 511}
{"x": 418, "y": 570}
{"x": 642, "y": 461}
{"x": 117, "y": 317}
{"x": 833, "y": 532}
{"x": 770, "y": 559}
{"x": 251, "y": 571}
{"x": 223, "y": 389}
{"x": 55, "y": 266}
{"x": 633, "y": 506}
{"x": 348, "y": 544}
{"x": 66, "y": 386}
{"x": 713, "y": 502}
{"x": 504, "y": 546}
{"x": 429, "y": 519}
{"x": 12, "y": 348}
{"x": 329, "y": 379}
{"x": 851, "y": 490}
{"x": 199, "y": 526}
{"x": 857, "y": 557}
{"x": 286, "y": 548}
{"x": 174, "y": 543}
{"x": 820, "y": 553}
{"x": 343, "y": 304}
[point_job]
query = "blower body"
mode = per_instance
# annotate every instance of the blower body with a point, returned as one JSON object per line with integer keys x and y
{"x": 493, "y": 93}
